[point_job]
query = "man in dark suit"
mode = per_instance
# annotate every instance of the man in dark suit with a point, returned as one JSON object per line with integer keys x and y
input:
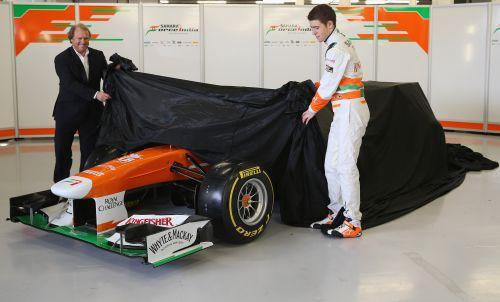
{"x": 80, "y": 102}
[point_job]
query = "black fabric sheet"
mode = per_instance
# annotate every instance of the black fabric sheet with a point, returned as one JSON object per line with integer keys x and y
{"x": 403, "y": 160}
{"x": 225, "y": 123}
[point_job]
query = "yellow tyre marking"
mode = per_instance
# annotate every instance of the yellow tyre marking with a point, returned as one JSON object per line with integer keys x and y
{"x": 231, "y": 203}
{"x": 272, "y": 190}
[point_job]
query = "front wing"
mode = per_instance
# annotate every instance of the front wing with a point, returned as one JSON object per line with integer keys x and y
{"x": 191, "y": 235}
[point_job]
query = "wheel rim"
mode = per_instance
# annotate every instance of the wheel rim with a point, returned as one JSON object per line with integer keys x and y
{"x": 252, "y": 201}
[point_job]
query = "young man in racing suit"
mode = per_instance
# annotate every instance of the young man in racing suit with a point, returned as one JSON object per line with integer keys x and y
{"x": 341, "y": 86}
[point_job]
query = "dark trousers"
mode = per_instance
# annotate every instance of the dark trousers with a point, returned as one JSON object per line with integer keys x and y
{"x": 65, "y": 131}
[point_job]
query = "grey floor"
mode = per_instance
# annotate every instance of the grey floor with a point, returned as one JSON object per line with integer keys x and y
{"x": 448, "y": 250}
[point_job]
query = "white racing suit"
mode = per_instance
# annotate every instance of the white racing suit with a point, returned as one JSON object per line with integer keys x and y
{"x": 341, "y": 85}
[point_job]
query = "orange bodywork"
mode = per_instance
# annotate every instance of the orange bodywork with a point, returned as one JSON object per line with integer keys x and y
{"x": 134, "y": 170}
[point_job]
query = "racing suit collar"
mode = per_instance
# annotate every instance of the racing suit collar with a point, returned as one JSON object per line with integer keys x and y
{"x": 332, "y": 37}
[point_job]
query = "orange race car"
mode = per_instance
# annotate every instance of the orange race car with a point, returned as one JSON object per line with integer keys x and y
{"x": 120, "y": 202}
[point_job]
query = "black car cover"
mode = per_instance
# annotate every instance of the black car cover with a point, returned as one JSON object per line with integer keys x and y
{"x": 403, "y": 159}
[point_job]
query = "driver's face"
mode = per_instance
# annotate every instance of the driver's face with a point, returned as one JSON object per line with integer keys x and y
{"x": 320, "y": 30}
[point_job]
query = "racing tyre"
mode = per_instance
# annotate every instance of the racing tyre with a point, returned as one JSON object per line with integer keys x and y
{"x": 239, "y": 199}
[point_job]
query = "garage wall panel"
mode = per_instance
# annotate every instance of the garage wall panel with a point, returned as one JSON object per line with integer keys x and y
{"x": 357, "y": 23}
{"x": 403, "y": 44}
{"x": 290, "y": 48}
{"x": 115, "y": 29}
{"x": 7, "y": 122}
{"x": 172, "y": 41}
{"x": 458, "y": 67}
{"x": 232, "y": 45}
{"x": 40, "y": 32}
{"x": 494, "y": 86}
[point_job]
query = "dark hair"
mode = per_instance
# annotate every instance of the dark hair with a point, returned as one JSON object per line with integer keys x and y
{"x": 71, "y": 32}
{"x": 323, "y": 13}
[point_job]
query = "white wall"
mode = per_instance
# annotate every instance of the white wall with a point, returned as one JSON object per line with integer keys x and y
{"x": 357, "y": 23}
{"x": 115, "y": 28}
{"x": 40, "y": 35}
{"x": 172, "y": 44}
{"x": 265, "y": 46}
{"x": 458, "y": 67}
{"x": 494, "y": 83}
{"x": 232, "y": 45}
{"x": 403, "y": 35}
{"x": 291, "y": 52}
{"x": 6, "y": 74}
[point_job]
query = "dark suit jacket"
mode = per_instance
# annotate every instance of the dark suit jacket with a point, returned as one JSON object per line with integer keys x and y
{"x": 76, "y": 94}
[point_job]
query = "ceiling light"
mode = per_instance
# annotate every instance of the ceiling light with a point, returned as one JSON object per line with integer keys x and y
{"x": 211, "y": 2}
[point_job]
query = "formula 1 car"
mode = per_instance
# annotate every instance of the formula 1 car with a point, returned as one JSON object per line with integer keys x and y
{"x": 107, "y": 204}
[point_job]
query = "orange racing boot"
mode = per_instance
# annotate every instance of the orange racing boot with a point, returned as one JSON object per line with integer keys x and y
{"x": 346, "y": 230}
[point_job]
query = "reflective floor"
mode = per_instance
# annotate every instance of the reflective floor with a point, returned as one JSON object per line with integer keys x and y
{"x": 448, "y": 250}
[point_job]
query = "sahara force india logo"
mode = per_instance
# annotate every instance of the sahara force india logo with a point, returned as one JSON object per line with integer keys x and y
{"x": 287, "y": 28}
{"x": 496, "y": 35}
{"x": 171, "y": 28}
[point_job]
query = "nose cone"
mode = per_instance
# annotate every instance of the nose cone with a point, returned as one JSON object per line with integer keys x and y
{"x": 74, "y": 187}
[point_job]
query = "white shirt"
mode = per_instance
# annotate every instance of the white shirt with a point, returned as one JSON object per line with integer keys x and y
{"x": 85, "y": 62}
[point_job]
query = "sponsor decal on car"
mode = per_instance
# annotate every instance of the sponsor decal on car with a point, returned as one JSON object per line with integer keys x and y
{"x": 159, "y": 220}
{"x": 110, "y": 203}
{"x": 174, "y": 236}
{"x": 92, "y": 172}
{"x": 164, "y": 244}
{"x": 249, "y": 172}
{"x": 72, "y": 181}
{"x": 110, "y": 210}
{"x": 129, "y": 158}
{"x": 108, "y": 166}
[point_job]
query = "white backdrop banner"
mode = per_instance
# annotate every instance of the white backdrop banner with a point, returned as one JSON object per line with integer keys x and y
{"x": 290, "y": 49}
{"x": 458, "y": 67}
{"x": 494, "y": 87}
{"x": 358, "y": 23}
{"x": 40, "y": 32}
{"x": 115, "y": 28}
{"x": 232, "y": 45}
{"x": 172, "y": 41}
{"x": 403, "y": 44}
{"x": 260, "y": 46}
{"x": 6, "y": 74}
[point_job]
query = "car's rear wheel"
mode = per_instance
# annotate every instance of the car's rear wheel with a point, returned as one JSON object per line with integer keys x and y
{"x": 239, "y": 199}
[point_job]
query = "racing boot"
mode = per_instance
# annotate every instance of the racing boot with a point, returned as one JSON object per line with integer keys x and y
{"x": 331, "y": 221}
{"x": 346, "y": 230}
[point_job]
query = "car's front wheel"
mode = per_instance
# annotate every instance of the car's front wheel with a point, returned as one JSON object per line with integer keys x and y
{"x": 239, "y": 198}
